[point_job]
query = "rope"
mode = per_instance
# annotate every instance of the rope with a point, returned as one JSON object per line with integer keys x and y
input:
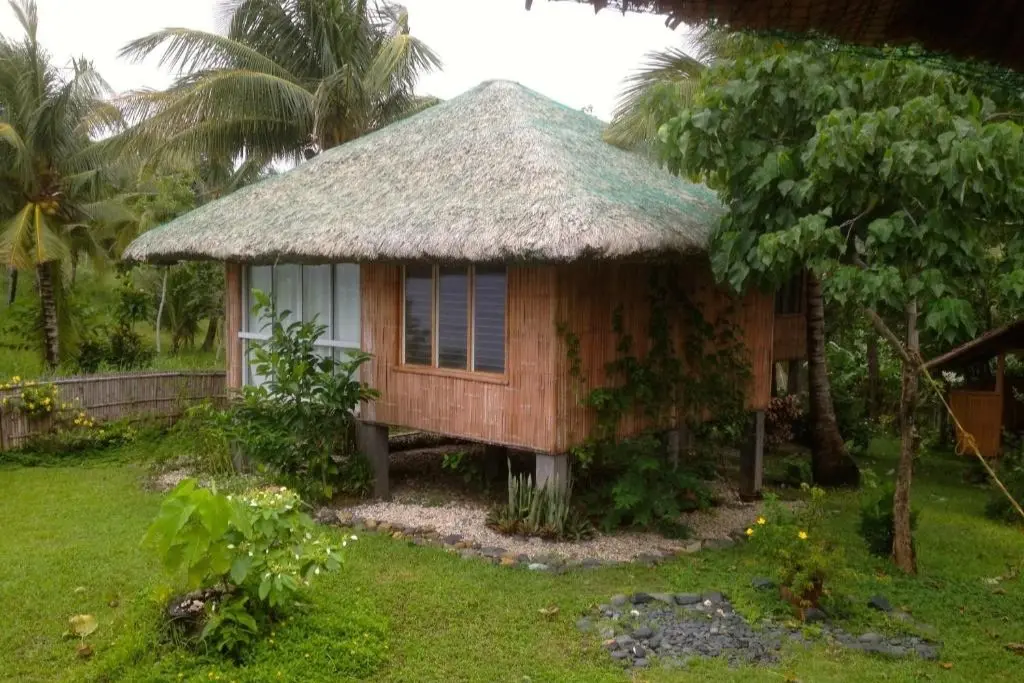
{"x": 969, "y": 443}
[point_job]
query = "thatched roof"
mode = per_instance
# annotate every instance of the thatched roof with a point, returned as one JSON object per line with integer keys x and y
{"x": 1000, "y": 340}
{"x": 498, "y": 173}
{"x": 990, "y": 30}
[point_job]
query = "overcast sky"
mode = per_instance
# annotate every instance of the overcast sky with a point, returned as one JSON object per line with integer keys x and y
{"x": 561, "y": 49}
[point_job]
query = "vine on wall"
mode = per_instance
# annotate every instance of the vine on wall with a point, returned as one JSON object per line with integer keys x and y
{"x": 668, "y": 387}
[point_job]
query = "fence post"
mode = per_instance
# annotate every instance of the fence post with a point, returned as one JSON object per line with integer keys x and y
{"x": 3, "y": 432}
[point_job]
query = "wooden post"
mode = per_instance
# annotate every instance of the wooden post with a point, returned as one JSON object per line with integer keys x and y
{"x": 233, "y": 313}
{"x": 372, "y": 441}
{"x": 752, "y": 459}
{"x": 1000, "y": 373}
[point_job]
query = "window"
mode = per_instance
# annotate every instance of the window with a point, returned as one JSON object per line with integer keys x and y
{"x": 789, "y": 299}
{"x": 328, "y": 293}
{"x": 455, "y": 317}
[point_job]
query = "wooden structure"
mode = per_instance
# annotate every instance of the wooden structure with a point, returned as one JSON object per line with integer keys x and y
{"x": 117, "y": 396}
{"x": 984, "y": 404}
{"x": 983, "y": 29}
{"x": 453, "y": 247}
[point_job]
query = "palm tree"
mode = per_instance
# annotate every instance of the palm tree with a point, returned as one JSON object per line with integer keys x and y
{"x": 51, "y": 179}
{"x": 290, "y": 78}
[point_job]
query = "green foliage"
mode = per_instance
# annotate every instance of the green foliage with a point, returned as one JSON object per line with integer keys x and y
{"x": 258, "y": 550}
{"x": 631, "y": 479}
{"x": 876, "y": 521}
{"x": 203, "y": 432}
{"x": 120, "y": 348}
{"x": 795, "y": 541}
{"x": 31, "y": 399}
{"x": 299, "y": 423}
{"x": 546, "y": 512}
{"x": 1010, "y": 471}
{"x": 77, "y": 433}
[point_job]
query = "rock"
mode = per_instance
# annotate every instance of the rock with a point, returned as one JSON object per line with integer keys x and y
{"x": 640, "y": 663}
{"x": 492, "y": 552}
{"x": 537, "y": 567}
{"x": 648, "y": 559}
{"x": 872, "y": 638}
{"x": 619, "y": 654}
{"x": 451, "y": 539}
{"x": 325, "y": 516}
{"x": 719, "y": 543}
{"x": 687, "y": 599}
{"x": 619, "y": 600}
{"x": 468, "y": 553}
{"x": 608, "y": 633}
{"x": 896, "y": 651}
{"x": 762, "y": 583}
{"x": 384, "y": 527}
{"x": 507, "y": 561}
{"x": 590, "y": 563}
{"x": 584, "y": 624}
{"x": 690, "y": 548}
{"x": 643, "y": 633}
{"x": 638, "y": 651}
{"x": 927, "y": 652}
{"x": 900, "y": 615}
{"x": 523, "y": 559}
{"x": 624, "y": 641}
{"x": 640, "y": 598}
{"x": 879, "y": 602}
{"x": 370, "y": 524}
{"x": 814, "y": 615}
{"x": 463, "y": 545}
{"x": 397, "y": 535}
{"x": 714, "y": 597}
{"x": 664, "y": 597}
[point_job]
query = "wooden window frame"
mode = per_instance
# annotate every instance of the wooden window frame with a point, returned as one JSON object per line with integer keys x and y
{"x": 470, "y": 373}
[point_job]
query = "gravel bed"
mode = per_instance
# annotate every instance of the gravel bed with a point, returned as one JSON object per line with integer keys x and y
{"x": 467, "y": 521}
{"x": 644, "y": 628}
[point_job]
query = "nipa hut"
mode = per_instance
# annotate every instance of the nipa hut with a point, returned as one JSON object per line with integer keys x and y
{"x": 451, "y": 246}
{"x": 984, "y": 400}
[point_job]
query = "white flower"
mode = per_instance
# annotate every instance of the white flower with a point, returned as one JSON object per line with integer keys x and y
{"x": 296, "y": 556}
{"x": 344, "y": 543}
{"x": 308, "y": 536}
{"x": 231, "y": 546}
{"x": 317, "y": 571}
{"x": 250, "y": 553}
{"x": 354, "y": 537}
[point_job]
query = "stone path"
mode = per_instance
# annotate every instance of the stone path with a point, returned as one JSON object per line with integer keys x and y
{"x": 643, "y": 628}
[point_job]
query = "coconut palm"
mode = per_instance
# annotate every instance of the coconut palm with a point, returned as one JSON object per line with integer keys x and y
{"x": 289, "y": 78}
{"x": 51, "y": 171}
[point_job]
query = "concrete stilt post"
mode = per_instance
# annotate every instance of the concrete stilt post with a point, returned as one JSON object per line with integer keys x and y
{"x": 372, "y": 440}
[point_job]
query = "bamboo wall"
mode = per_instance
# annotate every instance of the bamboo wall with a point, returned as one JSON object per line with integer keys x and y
{"x": 981, "y": 414}
{"x": 517, "y": 410}
{"x": 589, "y": 294}
{"x": 115, "y": 397}
{"x": 790, "y": 337}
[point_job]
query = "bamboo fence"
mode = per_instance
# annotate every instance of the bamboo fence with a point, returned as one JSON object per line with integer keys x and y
{"x": 106, "y": 397}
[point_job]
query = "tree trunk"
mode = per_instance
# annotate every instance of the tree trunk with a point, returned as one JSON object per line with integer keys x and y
{"x": 874, "y": 377}
{"x": 160, "y": 309}
{"x": 903, "y": 544}
{"x": 48, "y": 308}
{"x": 12, "y": 291}
{"x": 211, "y": 334}
{"x": 830, "y": 463}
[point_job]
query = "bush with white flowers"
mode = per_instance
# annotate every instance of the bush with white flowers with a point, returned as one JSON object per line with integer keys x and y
{"x": 256, "y": 550}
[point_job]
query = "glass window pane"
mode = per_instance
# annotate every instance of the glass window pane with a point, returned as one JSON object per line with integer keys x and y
{"x": 419, "y": 312}
{"x": 253, "y": 377}
{"x": 288, "y": 290}
{"x": 316, "y": 296}
{"x": 453, "y": 318}
{"x": 489, "y": 319}
{"x": 261, "y": 278}
{"x": 346, "y": 304}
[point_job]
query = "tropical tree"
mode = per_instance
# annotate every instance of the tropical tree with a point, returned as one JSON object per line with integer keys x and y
{"x": 288, "y": 79}
{"x": 889, "y": 180}
{"x": 52, "y": 184}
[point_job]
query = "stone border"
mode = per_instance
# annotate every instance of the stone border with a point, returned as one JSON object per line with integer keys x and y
{"x": 469, "y": 549}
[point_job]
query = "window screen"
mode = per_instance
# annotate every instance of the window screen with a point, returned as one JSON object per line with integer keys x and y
{"x": 453, "y": 318}
{"x": 419, "y": 313}
{"x": 489, "y": 319}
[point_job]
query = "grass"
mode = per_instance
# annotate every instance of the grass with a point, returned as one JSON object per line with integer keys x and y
{"x": 398, "y": 612}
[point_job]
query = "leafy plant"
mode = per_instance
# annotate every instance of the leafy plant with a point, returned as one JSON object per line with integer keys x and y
{"x": 1011, "y": 472}
{"x": 258, "y": 550}
{"x": 780, "y": 420}
{"x": 299, "y": 423}
{"x": 876, "y": 522}
{"x": 33, "y": 399}
{"x": 546, "y": 511}
{"x": 803, "y": 559}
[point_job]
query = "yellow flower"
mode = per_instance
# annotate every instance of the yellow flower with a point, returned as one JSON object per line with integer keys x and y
{"x": 762, "y": 521}
{"x": 802, "y": 535}
{"x": 16, "y": 379}
{"x": 750, "y": 532}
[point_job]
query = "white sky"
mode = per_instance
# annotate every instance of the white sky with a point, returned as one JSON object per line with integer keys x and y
{"x": 561, "y": 49}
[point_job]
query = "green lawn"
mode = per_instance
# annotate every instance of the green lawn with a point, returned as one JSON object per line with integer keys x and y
{"x": 397, "y": 612}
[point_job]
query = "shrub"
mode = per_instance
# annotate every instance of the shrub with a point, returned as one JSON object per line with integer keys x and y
{"x": 255, "y": 552}
{"x": 1010, "y": 470}
{"x": 32, "y": 399}
{"x": 793, "y": 541}
{"x": 634, "y": 483}
{"x": 876, "y": 523}
{"x": 299, "y": 423}
{"x": 780, "y": 420}
{"x": 546, "y": 511}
